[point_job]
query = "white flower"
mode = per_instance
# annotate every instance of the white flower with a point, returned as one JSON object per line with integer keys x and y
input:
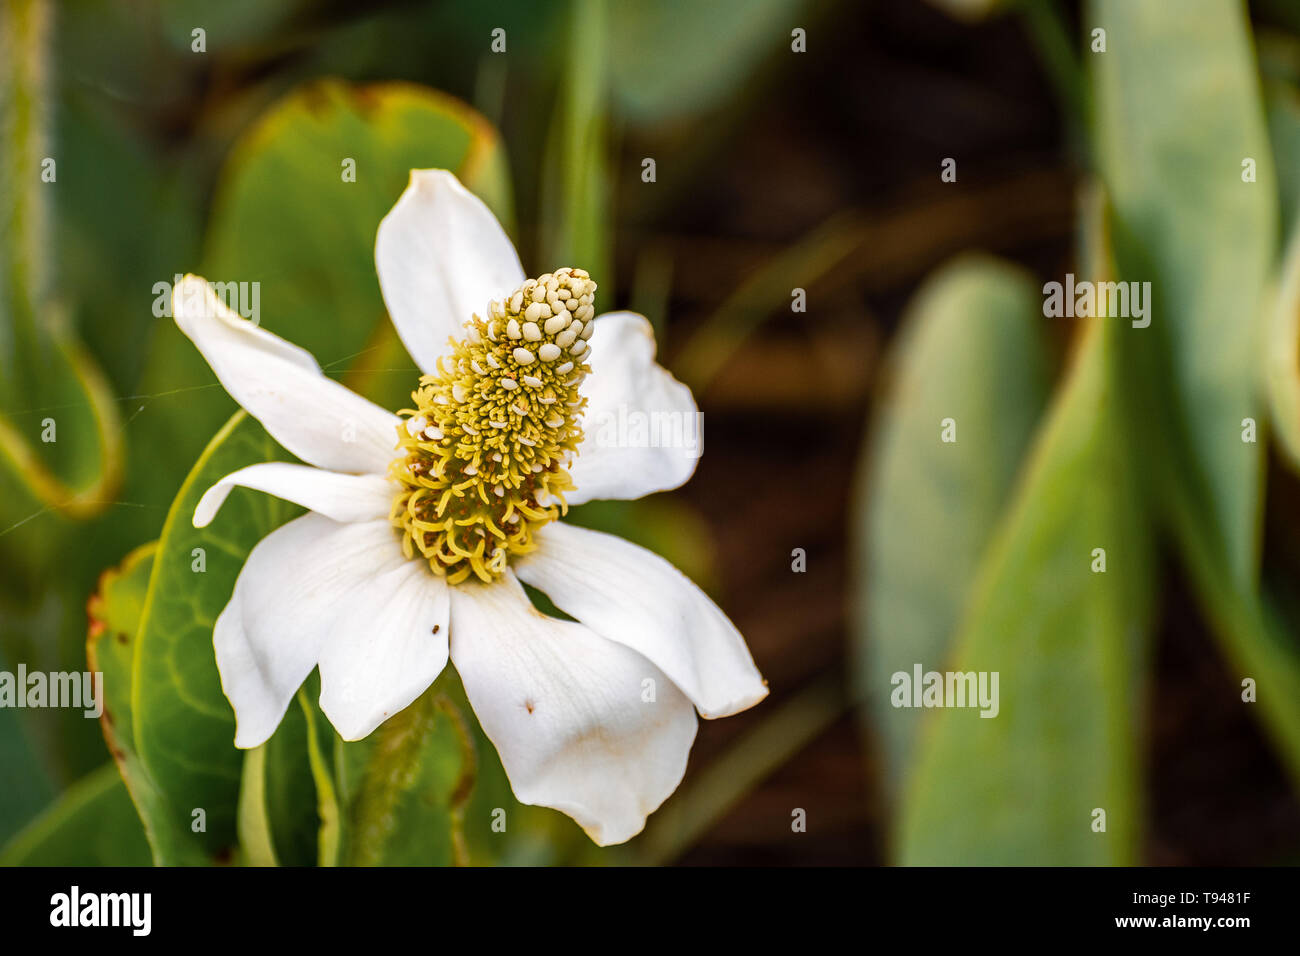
{"x": 596, "y": 718}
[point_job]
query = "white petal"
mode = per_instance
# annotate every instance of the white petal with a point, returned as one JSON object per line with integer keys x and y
{"x": 386, "y": 649}
{"x": 285, "y": 607}
{"x": 630, "y": 595}
{"x": 281, "y": 386}
{"x": 641, "y": 430}
{"x": 336, "y": 496}
{"x": 566, "y": 710}
{"x": 441, "y": 257}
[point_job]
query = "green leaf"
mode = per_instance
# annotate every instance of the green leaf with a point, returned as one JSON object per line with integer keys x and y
{"x": 114, "y": 612}
{"x": 453, "y": 803}
{"x": 406, "y": 786}
{"x": 971, "y": 349}
{"x": 183, "y": 726}
{"x": 1186, "y": 222}
{"x": 1068, "y": 646}
{"x": 92, "y": 824}
{"x": 286, "y": 178}
{"x": 284, "y": 217}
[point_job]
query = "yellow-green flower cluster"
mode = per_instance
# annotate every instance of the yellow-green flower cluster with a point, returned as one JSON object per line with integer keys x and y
{"x": 485, "y": 452}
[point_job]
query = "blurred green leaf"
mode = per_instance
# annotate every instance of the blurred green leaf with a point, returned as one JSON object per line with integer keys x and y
{"x": 576, "y": 202}
{"x": 27, "y": 786}
{"x": 1283, "y": 103}
{"x": 93, "y": 824}
{"x": 225, "y": 24}
{"x": 1186, "y": 220}
{"x": 47, "y": 381}
{"x": 971, "y": 348}
{"x": 285, "y": 217}
{"x": 183, "y": 726}
{"x": 1068, "y": 646}
{"x": 1282, "y": 356}
{"x": 672, "y": 58}
{"x": 1188, "y": 223}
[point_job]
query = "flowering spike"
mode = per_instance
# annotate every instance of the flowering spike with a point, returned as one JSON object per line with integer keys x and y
{"x": 485, "y": 452}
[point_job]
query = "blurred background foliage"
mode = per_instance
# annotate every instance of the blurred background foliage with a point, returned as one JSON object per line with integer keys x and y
{"x": 776, "y": 170}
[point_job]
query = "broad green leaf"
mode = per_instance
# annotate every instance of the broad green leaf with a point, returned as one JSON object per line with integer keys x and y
{"x": 1068, "y": 645}
{"x": 183, "y": 726}
{"x": 285, "y": 214}
{"x": 92, "y": 824}
{"x": 972, "y": 350}
{"x": 285, "y": 217}
{"x": 1187, "y": 222}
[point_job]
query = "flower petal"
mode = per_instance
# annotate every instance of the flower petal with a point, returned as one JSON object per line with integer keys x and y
{"x": 641, "y": 430}
{"x": 281, "y": 386}
{"x": 285, "y": 607}
{"x": 634, "y": 597}
{"x": 566, "y": 712}
{"x": 340, "y": 497}
{"x": 441, "y": 257}
{"x": 386, "y": 649}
